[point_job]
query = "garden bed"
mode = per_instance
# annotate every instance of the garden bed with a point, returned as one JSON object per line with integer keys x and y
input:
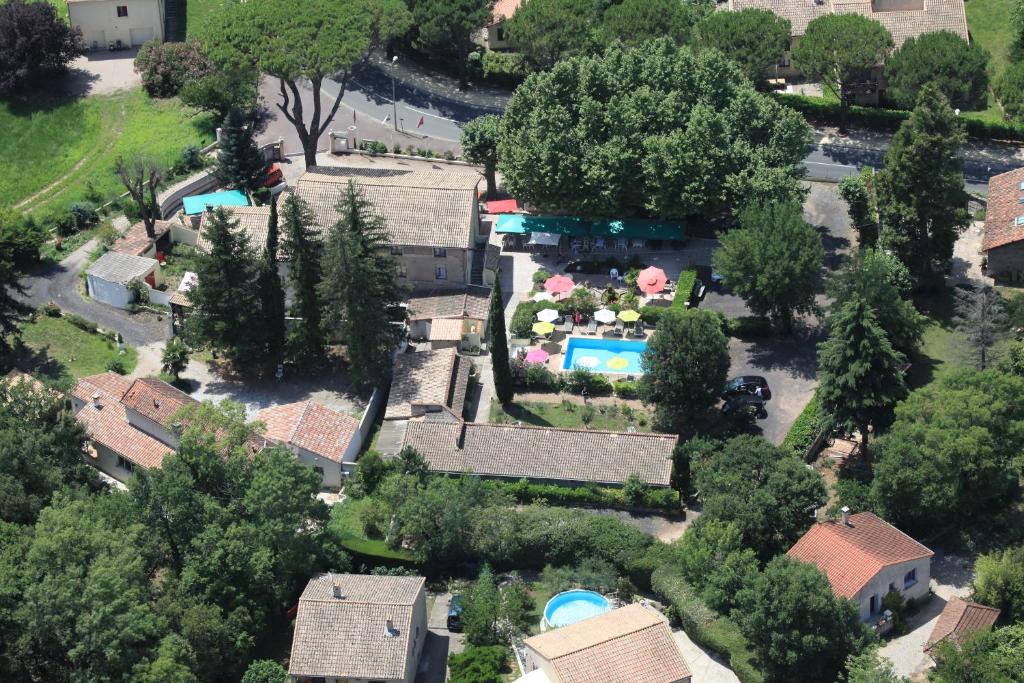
{"x": 613, "y": 417}
{"x": 73, "y": 350}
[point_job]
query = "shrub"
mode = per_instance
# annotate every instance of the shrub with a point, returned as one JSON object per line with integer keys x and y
{"x": 524, "y": 491}
{"x": 166, "y": 67}
{"x": 477, "y": 665}
{"x": 684, "y": 288}
{"x": 579, "y": 379}
{"x": 507, "y": 68}
{"x": 624, "y": 388}
{"x": 84, "y": 215}
{"x": 117, "y": 365}
{"x": 749, "y": 327}
{"x": 22, "y": 235}
{"x": 652, "y": 314}
{"x": 540, "y": 276}
{"x": 805, "y": 429}
{"x": 590, "y": 574}
{"x": 375, "y": 518}
{"x": 51, "y": 309}
{"x": 191, "y": 159}
{"x": 539, "y": 378}
{"x": 140, "y": 292}
{"x": 634, "y": 490}
{"x": 81, "y": 323}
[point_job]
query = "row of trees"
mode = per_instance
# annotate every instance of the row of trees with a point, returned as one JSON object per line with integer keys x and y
{"x": 341, "y": 288}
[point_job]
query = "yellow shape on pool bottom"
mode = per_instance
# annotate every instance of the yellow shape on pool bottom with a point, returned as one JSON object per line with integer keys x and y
{"x": 618, "y": 363}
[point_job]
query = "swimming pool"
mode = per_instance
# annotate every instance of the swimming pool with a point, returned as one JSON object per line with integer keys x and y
{"x": 604, "y": 355}
{"x": 572, "y": 606}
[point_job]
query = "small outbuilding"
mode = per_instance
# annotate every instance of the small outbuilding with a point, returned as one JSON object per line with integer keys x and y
{"x": 110, "y": 24}
{"x": 108, "y": 279}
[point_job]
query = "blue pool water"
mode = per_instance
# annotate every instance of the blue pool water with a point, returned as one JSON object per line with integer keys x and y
{"x": 572, "y": 606}
{"x": 594, "y": 354}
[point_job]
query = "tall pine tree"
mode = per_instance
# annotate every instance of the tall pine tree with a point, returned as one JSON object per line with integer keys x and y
{"x": 305, "y": 342}
{"x": 362, "y": 297}
{"x": 921, "y": 196}
{"x": 272, "y": 294}
{"x": 499, "y": 347}
{"x": 226, "y": 313}
{"x": 239, "y": 162}
{"x": 861, "y": 378}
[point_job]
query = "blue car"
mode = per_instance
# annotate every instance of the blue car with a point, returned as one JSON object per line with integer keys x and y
{"x": 455, "y": 614}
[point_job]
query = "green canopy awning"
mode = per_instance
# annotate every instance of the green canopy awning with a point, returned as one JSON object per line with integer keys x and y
{"x": 574, "y": 226}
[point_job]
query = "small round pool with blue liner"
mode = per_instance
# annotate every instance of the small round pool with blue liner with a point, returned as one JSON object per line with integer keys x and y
{"x": 573, "y": 606}
{"x": 594, "y": 353}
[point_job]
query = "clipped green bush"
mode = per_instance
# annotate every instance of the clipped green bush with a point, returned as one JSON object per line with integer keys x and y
{"x": 684, "y": 288}
{"x": 805, "y": 429}
{"x": 749, "y": 327}
{"x": 624, "y": 388}
{"x": 477, "y": 665}
{"x": 524, "y": 491}
{"x": 578, "y": 379}
{"x": 81, "y": 323}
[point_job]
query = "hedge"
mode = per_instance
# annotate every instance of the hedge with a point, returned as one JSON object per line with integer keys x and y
{"x": 703, "y": 625}
{"x": 805, "y": 429}
{"x": 525, "y": 491}
{"x": 684, "y": 288}
{"x": 749, "y": 327}
{"x": 827, "y": 111}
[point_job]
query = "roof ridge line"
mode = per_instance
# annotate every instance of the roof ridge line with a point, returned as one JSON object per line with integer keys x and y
{"x": 302, "y": 416}
{"x": 608, "y": 640}
{"x": 657, "y": 435}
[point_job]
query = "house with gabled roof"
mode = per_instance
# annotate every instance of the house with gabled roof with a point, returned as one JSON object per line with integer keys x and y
{"x": 959, "y": 619}
{"x": 427, "y": 382}
{"x": 865, "y": 558}
{"x": 359, "y": 628}
{"x": 632, "y": 643}
{"x": 323, "y": 438}
{"x": 129, "y": 423}
{"x": 1003, "y": 243}
{"x": 447, "y": 316}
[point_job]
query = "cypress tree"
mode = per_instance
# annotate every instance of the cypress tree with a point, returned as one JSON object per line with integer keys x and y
{"x": 305, "y": 341}
{"x": 239, "y": 162}
{"x": 361, "y": 296}
{"x": 499, "y": 347}
{"x": 12, "y": 310}
{"x": 272, "y": 294}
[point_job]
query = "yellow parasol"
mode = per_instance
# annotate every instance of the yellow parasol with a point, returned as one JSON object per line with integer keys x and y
{"x": 629, "y": 316}
{"x": 543, "y": 328}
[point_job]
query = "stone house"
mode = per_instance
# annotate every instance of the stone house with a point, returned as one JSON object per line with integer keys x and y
{"x": 108, "y": 22}
{"x": 323, "y": 438}
{"x": 494, "y": 35}
{"x": 1003, "y": 243}
{"x": 865, "y": 558}
{"x": 450, "y": 317}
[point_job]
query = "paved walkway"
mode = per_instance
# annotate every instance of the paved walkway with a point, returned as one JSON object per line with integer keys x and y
{"x": 103, "y": 72}
{"x": 704, "y": 666}
{"x": 440, "y": 643}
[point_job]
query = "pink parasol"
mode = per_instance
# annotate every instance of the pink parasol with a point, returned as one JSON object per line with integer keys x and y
{"x": 558, "y": 284}
{"x": 537, "y": 356}
{"x": 651, "y": 280}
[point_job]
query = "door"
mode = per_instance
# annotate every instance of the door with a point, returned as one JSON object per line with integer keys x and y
{"x": 874, "y": 604}
{"x": 95, "y": 40}
{"x": 141, "y": 35}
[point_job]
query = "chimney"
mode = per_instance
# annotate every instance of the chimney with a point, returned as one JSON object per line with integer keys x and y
{"x": 96, "y": 400}
{"x": 389, "y": 629}
{"x": 156, "y": 403}
{"x": 336, "y": 588}
{"x": 176, "y": 430}
{"x": 846, "y": 515}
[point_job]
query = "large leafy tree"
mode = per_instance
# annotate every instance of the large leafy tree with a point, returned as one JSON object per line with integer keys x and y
{"x": 999, "y": 582}
{"x": 655, "y": 129}
{"x": 361, "y": 296}
{"x": 685, "y": 367}
{"x": 13, "y": 310}
{"x": 767, "y": 493}
{"x": 447, "y": 27}
{"x": 921, "y": 191}
{"x": 798, "y": 629}
{"x": 545, "y": 31}
{"x": 943, "y": 58}
{"x": 324, "y": 40}
{"x": 1010, "y": 91}
{"x": 225, "y": 308}
{"x": 302, "y": 248}
{"x": 636, "y": 21}
{"x": 272, "y": 292}
{"x": 883, "y": 282}
{"x": 480, "y": 145}
{"x": 858, "y": 192}
{"x": 861, "y": 373}
{"x": 499, "y": 346}
{"x": 756, "y": 39}
{"x": 839, "y": 50}
{"x": 773, "y": 261}
{"x": 239, "y": 162}
{"x": 33, "y": 41}
{"x": 986, "y": 655}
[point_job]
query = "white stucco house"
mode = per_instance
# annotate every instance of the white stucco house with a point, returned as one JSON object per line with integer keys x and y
{"x": 323, "y": 438}
{"x": 104, "y": 23}
{"x": 107, "y": 280}
{"x": 865, "y": 558}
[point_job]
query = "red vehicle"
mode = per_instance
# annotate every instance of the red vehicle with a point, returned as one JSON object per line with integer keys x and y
{"x": 274, "y": 176}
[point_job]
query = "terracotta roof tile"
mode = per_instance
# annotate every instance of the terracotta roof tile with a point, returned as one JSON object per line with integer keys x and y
{"x": 155, "y": 399}
{"x": 851, "y": 555}
{"x": 542, "y": 453}
{"x": 504, "y": 9}
{"x": 136, "y": 242}
{"x": 310, "y": 426}
{"x": 631, "y": 644}
{"x": 471, "y": 301}
{"x": 108, "y": 424}
{"x": 958, "y": 619}
{"x": 345, "y": 637}
{"x": 1005, "y": 206}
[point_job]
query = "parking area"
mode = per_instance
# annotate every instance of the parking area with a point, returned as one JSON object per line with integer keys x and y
{"x": 440, "y": 643}
{"x": 103, "y": 72}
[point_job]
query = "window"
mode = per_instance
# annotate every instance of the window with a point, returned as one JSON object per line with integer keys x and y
{"x": 122, "y": 10}
{"x": 396, "y": 251}
{"x": 501, "y": 33}
{"x": 784, "y": 62}
{"x": 1020, "y": 220}
{"x": 402, "y": 272}
{"x": 125, "y": 464}
{"x": 873, "y": 604}
{"x": 440, "y": 252}
{"x": 910, "y": 578}
{"x": 440, "y": 273}
{"x": 892, "y": 587}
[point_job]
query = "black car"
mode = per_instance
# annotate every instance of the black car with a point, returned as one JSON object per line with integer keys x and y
{"x": 455, "y": 614}
{"x": 746, "y": 385}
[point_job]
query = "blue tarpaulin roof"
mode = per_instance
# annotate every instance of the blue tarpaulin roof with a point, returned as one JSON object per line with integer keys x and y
{"x": 197, "y": 203}
{"x": 574, "y": 226}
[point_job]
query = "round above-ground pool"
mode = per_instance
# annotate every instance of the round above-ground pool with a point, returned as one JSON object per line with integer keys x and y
{"x": 570, "y": 607}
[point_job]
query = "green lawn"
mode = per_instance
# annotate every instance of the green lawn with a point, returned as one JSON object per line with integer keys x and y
{"x": 345, "y": 521}
{"x": 569, "y": 414}
{"x": 198, "y": 12}
{"x": 75, "y": 142}
{"x": 61, "y": 347}
{"x": 990, "y": 27}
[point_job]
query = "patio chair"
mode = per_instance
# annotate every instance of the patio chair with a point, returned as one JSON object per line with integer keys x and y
{"x": 592, "y": 326}
{"x": 566, "y": 326}
{"x": 620, "y": 328}
{"x": 638, "y": 329}
{"x": 622, "y": 244}
{"x": 598, "y": 243}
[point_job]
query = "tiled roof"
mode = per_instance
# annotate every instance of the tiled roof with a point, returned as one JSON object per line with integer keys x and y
{"x": 446, "y": 330}
{"x": 252, "y": 221}
{"x": 852, "y": 554}
{"x": 632, "y": 644}
{"x": 121, "y": 268}
{"x": 905, "y": 19}
{"x": 180, "y": 298}
{"x": 471, "y": 301}
{"x": 504, "y": 9}
{"x": 16, "y": 378}
{"x": 108, "y": 425}
{"x": 419, "y": 208}
{"x": 155, "y": 399}
{"x": 136, "y": 242}
{"x": 427, "y": 378}
{"x": 1005, "y": 206}
{"x": 959, "y": 618}
{"x": 311, "y": 426}
{"x": 346, "y": 637}
{"x": 543, "y": 453}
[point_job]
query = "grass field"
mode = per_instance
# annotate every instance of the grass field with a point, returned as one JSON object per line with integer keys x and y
{"x": 990, "y": 27}
{"x": 345, "y": 521}
{"x": 72, "y": 144}
{"x": 567, "y": 414}
{"x": 198, "y": 11}
{"x": 63, "y": 346}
